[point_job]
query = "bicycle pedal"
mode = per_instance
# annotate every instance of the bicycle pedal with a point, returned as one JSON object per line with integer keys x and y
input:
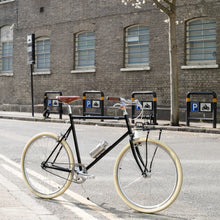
{"x": 85, "y": 175}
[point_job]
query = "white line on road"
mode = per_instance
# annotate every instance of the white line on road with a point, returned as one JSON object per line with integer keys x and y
{"x": 30, "y": 204}
{"x": 77, "y": 211}
{"x": 70, "y": 193}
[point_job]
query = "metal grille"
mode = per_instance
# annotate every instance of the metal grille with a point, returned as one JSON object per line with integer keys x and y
{"x": 6, "y": 49}
{"x": 7, "y": 56}
{"x": 85, "y": 50}
{"x": 201, "y": 41}
{"x": 137, "y": 46}
{"x": 43, "y": 54}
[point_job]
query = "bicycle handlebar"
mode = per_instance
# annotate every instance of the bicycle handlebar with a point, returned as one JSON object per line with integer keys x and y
{"x": 124, "y": 102}
{"x": 122, "y": 105}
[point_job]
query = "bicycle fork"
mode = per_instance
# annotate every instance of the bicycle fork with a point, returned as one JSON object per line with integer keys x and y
{"x": 145, "y": 166}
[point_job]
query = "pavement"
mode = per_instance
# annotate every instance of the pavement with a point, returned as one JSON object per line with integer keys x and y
{"x": 15, "y": 204}
{"x": 11, "y": 206}
{"x": 199, "y": 126}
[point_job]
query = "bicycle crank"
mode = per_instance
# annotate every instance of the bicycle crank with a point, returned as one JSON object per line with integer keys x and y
{"x": 80, "y": 174}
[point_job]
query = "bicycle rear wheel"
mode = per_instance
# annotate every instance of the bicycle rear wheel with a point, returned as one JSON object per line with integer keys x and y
{"x": 46, "y": 182}
{"x": 155, "y": 189}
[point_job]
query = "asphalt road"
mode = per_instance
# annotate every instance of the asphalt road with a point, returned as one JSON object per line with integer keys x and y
{"x": 199, "y": 154}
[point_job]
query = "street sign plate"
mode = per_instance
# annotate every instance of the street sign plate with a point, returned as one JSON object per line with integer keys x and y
{"x": 194, "y": 106}
{"x": 88, "y": 103}
{"x": 49, "y": 102}
{"x": 205, "y": 107}
{"x": 55, "y": 103}
{"x": 96, "y": 104}
{"x": 137, "y": 107}
{"x": 148, "y": 106}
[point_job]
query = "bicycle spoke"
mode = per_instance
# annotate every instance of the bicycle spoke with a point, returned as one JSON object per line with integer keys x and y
{"x": 132, "y": 182}
{"x": 43, "y": 145}
{"x": 154, "y": 190}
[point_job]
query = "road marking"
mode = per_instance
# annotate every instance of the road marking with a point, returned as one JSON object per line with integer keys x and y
{"x": 70, "y": 193}
{"x": 200, "y": 162}
{"x": 79, "y": 212}
{"x": 92, "y": 205}
{"x": 26, "y": 200}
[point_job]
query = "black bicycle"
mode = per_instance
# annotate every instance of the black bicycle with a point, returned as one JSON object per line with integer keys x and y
{"x": 147, "y": 172}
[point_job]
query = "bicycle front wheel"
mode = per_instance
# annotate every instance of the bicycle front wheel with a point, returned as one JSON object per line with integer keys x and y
{"x": 43, "y": 181}
{"x": 158, "y": 185}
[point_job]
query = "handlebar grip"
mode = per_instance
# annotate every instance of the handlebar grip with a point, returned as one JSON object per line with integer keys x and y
{"x": 112, "y": 98}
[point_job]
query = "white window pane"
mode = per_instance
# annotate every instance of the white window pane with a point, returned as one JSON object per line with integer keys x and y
{"x": 43, "y": 54}
{"x": 7, "y": 64}
{"x": 85, "y": 50}
{"x": 137, "y": 45}
{"x": 7, "y": 56}
{"x": 201, "y": 41}
{"x": 6, "y": 45}
{"x": 6, "y": 34}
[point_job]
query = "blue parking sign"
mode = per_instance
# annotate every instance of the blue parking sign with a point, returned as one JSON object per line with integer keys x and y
{"x": 88, "y": 104}
{"x": 194, "y": 106}
{"x": 49, "y": 102}
{"x": 137, "y": 107}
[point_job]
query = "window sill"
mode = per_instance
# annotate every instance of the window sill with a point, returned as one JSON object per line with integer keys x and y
{"x": 214, "y": 66}
{"x": 42, "y": 73}
{"x": 83, "y": 71}
{"x": 7, "y": 74}
{"x": 7, "y": 1}
{"x": 129, "y": 69}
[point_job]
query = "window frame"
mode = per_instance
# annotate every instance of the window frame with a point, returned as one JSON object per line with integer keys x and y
{"x": 9, "y": 51}
{"x": 89, "y": 51}
{"x": 136, "y": 41}
{"x": 45, "y": 69}
{"x": 202, "y": 61}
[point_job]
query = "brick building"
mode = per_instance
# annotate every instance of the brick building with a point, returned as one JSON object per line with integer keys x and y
{"x": 104, "y": 45}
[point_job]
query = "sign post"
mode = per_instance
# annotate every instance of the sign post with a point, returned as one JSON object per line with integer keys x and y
{"x": 97, "y": 104}
{"x": 149, "y": 106}
{"x": 51, "y": 104}
{"x": 202, "y": 107}
{"x": 31, "y": 61}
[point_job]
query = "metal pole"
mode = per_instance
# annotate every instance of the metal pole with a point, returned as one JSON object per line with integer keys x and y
{"x": 214, "y": 102}
{"x": 32, "y": 91}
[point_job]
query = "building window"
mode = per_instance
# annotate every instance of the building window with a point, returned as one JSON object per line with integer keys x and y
{"x": 137, "y": 46}
{"x": 201, "y": 42}
{"x": 85, "y": 50}
{"x": 6, "y": 50}
{"x": 6, "y": 1}
{"x": 42, "y": 53}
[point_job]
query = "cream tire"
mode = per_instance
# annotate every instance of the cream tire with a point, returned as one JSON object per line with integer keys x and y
{"x": 40, "y": 182}
{"x": 137, "y": 191}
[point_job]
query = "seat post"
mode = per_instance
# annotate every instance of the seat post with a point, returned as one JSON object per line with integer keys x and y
{"x": 69, "y": 109}
{"x": 74, "y": 137}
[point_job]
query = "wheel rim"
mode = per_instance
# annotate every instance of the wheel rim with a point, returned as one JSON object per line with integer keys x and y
{"x": 40, "y": 181}
{"x": 148, "y": 194}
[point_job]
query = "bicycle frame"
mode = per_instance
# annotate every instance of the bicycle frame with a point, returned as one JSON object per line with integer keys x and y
{"x": 72, "y": 129}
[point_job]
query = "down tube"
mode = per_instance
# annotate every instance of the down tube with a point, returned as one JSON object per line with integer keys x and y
{"x": 107, "y": 150}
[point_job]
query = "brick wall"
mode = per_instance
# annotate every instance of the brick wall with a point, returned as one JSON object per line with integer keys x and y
{"x": 108, "y": 19}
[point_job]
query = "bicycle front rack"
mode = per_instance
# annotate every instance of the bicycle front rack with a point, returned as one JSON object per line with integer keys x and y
{"x": 140, "y": 129}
